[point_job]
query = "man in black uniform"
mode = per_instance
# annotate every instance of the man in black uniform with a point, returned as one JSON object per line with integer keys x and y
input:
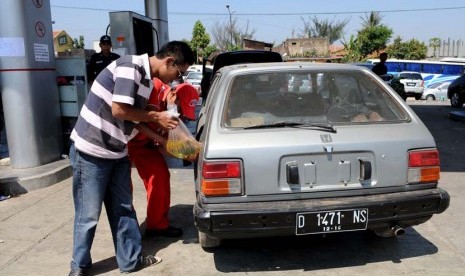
{"x": 381, "y": 68}
{"x": 99, "y": 61}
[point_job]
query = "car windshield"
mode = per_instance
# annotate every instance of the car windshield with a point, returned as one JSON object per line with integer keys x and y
{"x": 309, "y": 97}
{"x": 195, "y": 76}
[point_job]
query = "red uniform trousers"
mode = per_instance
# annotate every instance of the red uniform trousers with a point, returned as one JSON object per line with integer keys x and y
{"x": 153, "y": 170}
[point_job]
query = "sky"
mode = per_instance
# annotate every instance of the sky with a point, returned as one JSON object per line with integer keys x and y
{"x": 273, "y": 20}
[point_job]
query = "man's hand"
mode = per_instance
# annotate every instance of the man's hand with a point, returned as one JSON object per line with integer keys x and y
{"x": 166, "y": 120}
{"x": 171, "y": 97}
{"x": 127, "y": 112}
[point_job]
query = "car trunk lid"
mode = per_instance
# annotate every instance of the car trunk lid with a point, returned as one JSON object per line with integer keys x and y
{"x": 308, "y": 161}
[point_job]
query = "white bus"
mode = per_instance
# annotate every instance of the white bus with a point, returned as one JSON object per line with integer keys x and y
{"x": 431, "y": 71}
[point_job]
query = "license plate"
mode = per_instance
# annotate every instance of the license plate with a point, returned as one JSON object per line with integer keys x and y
{"x": 410, "y": 84}
{"x": 331, "y": 221}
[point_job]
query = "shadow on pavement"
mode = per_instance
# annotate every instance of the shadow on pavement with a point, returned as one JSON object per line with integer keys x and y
{"x": 181, "y": 216}
{"x": 312, "y": 252}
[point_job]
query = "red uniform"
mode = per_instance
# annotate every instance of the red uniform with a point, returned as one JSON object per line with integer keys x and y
{"x": 151, "y": 166}
{"x": 150, "y": 162}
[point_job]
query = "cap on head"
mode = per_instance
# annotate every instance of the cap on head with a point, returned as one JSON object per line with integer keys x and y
{"x": 105, "y": 39}
{"x": 188, "y": 98}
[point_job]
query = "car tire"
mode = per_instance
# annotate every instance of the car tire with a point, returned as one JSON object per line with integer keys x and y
{"x": 430, "y": 97}
{"x": 418, "y": 97}
{"x": 455, "y": 100}
{"x": 207, "y": 241}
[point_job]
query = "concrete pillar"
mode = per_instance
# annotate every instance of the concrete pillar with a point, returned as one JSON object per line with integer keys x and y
{"x": 28, "y": 83}
{"x": 157, "y": 10}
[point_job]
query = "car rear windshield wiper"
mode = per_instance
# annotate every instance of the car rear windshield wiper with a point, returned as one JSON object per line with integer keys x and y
{"x": 275, "y": 125}
{"x": 321, "y": 126}
{"x": 324, "y": 127}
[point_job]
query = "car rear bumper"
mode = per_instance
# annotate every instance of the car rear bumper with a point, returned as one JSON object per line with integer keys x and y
{"x": 278, "y": 218}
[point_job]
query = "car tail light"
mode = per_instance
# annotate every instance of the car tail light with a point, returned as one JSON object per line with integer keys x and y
{"x": 423, "y": 166}
{"x": 221, "y": 178}
{"x": 422, "y": 83}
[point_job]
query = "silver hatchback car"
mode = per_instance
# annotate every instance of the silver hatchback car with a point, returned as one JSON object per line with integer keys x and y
{"x": 346, "y": 154}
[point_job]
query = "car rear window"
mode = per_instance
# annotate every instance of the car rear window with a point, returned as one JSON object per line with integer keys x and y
{"x": 411, "y": 76}
{"x": 341, "y": 97}
{"x": 196, "y": 76}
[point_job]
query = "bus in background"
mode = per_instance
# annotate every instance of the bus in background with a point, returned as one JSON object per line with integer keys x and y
{"x": 453, "y": 59}
{"x": 431, "y": 71}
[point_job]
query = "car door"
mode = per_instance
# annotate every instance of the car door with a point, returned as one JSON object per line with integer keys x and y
{"x": 442, "y": 90}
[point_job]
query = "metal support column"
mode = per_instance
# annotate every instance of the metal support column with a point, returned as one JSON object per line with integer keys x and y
{"x": 28, "y": 83}
{"x": 157, "y": 10}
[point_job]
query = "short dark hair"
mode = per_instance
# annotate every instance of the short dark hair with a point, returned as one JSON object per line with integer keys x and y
{"x": 180, "y": 51}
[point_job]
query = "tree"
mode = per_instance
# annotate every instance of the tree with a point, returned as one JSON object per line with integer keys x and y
{"x": 373, "y": 19}
{"x": 210, "y": 49}
{"x": 78, "y": 44}
{"x": 221, "y": 33}
{"x": 373, "y": 39}
{"x": 323, "y": 28}
{"x": 352, "y": 49}
{"x": 412, "y": 49}
{"x": 435, "y": 43}
{"x": 200, "y": 39}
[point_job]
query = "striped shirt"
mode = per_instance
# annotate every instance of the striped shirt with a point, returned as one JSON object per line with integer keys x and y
{"x": 97, "y": 133}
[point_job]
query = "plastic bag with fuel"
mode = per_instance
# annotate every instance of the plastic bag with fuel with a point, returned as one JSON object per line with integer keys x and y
{"x": 182, "y": 144}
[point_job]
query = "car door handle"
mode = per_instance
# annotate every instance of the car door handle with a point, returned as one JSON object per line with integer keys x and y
{"x": 292, "y": 173}
{"x": 365, "y": 169}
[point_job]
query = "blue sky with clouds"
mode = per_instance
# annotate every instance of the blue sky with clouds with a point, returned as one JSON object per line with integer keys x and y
{"x": 272, "y": 20}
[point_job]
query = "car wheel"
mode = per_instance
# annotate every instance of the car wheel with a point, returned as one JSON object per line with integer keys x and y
{"x": 207, "y": 241}
{"x": 430, "y": 98}
{"x": 417, "y": 97}
{"x": 455, "y": 100}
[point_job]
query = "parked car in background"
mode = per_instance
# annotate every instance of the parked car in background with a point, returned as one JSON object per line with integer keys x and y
{"x": 346, "y": 154}
{"x": 413, "y": 83}
{"x": 387, "y": 78}
{"x": 395, "y": 83}
{"x": 456, "y": 92}
{"x": 436, "y": 91}
{"x": 194, "y": 78}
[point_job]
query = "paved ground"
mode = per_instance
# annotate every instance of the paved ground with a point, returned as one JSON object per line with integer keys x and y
{"x": 36, "y": 232}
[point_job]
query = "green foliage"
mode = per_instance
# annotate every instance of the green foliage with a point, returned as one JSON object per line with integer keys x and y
{"x": 352, "y": 48}
{"x": 373, "y": 39}
{"x": 412, "y": 49}
{"x": 373, "y": 19}
{"x": 210, "y": 49}
{"x": 200, "y": 39}
{"x": 78, "y": 44}
{"x": 324, "y": 28}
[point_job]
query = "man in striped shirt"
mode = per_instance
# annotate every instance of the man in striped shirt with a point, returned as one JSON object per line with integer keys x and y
{"x": 101, "y": 168}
